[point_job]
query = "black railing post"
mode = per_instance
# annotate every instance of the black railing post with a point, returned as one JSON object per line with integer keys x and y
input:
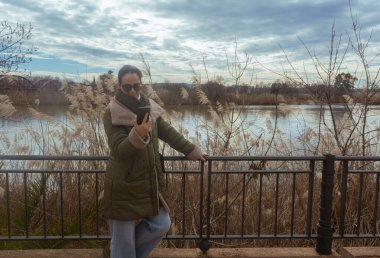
{"x": 204, "y": 244}
{"x": 324, "y": 228}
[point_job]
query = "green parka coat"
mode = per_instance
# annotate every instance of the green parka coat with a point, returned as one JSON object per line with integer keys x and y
{"x": 134, "y": 183}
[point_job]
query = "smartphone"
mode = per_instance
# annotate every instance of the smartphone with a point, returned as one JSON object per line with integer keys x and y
{"x": 141, "y": 111}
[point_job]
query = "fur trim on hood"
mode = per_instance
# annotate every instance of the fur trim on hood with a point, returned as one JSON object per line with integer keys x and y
{"x": 121, "y": 115}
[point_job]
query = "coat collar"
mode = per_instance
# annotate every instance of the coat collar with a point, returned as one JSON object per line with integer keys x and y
{"x": 121, "y": 115}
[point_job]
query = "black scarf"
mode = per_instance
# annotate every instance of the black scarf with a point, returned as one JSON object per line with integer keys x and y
{"x": 132, "y": 103}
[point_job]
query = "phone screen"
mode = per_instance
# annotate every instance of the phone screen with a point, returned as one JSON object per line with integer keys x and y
{"x": 141, "y": 113}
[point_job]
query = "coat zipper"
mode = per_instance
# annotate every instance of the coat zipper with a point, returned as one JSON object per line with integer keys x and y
{"x": 157, "y": 193}
{"x": 156, "y": 180}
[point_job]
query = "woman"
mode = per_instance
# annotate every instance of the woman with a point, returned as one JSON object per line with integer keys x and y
{"x": 134, "y": 192}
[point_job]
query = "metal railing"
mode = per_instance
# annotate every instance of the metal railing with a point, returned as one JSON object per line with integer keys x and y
{"x": 224, "y": 198}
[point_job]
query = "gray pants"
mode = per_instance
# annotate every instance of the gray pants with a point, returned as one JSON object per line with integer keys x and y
{"x": 136, "y": 240}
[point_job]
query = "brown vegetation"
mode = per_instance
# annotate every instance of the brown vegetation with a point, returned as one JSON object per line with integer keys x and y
{"x": 47, "y": 91}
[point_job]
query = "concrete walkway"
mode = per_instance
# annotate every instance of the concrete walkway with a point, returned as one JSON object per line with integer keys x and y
{"x": 240, "y": 252}
{"x": 351, "y": 252}
{"x": 192, "y": 253}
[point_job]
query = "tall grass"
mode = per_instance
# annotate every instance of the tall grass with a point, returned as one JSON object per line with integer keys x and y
{"x": 225, "y": 132}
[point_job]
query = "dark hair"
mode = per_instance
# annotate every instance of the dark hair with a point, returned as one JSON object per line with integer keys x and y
{"x": 128, "y": 69}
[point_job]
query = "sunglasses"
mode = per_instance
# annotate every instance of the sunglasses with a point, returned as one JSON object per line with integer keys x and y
{"x": 128, "y": 87}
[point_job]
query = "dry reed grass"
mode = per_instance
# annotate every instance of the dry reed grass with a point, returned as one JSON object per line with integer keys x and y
{"x": 226, "y": 133}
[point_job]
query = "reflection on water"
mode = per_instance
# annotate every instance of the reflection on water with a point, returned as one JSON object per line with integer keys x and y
{"x": 23, "y": 119}
{"x": 292, "y": 120}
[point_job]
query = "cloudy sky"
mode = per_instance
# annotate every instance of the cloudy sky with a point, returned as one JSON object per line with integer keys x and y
{"x": 78, "y": 39}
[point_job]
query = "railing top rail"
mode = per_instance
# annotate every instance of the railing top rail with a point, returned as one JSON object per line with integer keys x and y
{"x": 212, "y": 158}
{"x": 348, "y": 158}
{"x": 216, "y": 158}
{"x": 48, "y": 157}
{"x": 265, "y": 158}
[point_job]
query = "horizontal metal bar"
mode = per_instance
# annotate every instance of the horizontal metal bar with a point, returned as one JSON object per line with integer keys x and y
{"x": 265, "y": 158}
{"x": 336, "y": 236}
{"x": 357, "y": 158}
{"x": 181, "y": 237}
{"x": 33, "y": 238}
{"x": 71, "y": 238}
{"x": 168, "y": 237}
{"x": 179, "y": 158}
{"x": 261, "y": 236}
{"x": 34, "y": 171}
{"x": 269, "y": 171}
{"x": 94, "y": 237}
{"x": 182, "y": 171}
{"x": 42, "y": 157}
{"x": 170, "y": 158}
{"x": 363, "y": 171}
{"x": 249, "y": 158}
{"x": 265, "y": 171}
{"x": 86, "y": 171}
{"x": 176, "y": 158}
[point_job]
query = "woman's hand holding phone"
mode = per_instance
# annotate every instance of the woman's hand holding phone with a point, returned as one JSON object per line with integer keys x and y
{"x": 144, "y": 128}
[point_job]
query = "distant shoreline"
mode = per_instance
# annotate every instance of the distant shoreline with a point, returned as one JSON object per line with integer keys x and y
{"x": 46, "y": 97}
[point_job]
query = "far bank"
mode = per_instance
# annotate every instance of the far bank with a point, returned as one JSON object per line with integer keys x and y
{"x": 45, "y": 96}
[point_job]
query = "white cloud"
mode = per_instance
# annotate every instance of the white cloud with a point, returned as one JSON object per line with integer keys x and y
{"x": 172, "y": 34}
{"x": 36, "y": 56}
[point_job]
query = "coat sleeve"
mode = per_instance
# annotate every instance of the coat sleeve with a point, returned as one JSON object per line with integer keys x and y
{"x": 177, "y": 141}
{"x": 123, "y": 141}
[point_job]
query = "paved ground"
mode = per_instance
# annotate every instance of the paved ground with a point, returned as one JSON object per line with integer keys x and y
{"x": 170, "y": 253}
{"x": 241, "y": 252}
{"x": 350, "y": 252}
{"x": 362, "y": 252}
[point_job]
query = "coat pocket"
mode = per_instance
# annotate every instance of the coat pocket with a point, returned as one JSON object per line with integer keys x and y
{"x": 139, "y": 170}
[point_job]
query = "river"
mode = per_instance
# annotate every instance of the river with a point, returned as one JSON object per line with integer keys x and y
{"x": 291, "y": 120}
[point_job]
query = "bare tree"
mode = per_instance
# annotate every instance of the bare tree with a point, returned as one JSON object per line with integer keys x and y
{"x": 351, "y": 130}
{"x": 371, "y": 72}
{"x": 13, "y": 52}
